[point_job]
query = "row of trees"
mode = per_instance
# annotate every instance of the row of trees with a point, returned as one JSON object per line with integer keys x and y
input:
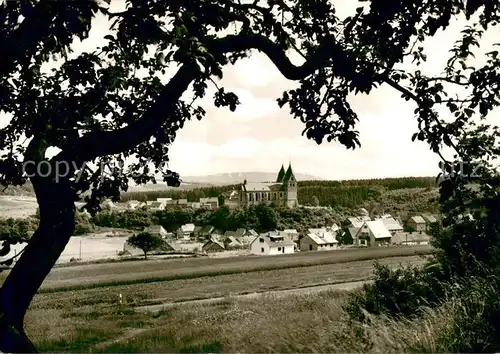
{"x": 260, "y": 218}
{"x": 192, "y": 195}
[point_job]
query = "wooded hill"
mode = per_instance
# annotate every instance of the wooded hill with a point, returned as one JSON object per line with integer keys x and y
{"x": 408, "y": 194}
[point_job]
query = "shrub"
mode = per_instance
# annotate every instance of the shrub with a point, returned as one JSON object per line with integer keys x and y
{"x": 400, "y": 292}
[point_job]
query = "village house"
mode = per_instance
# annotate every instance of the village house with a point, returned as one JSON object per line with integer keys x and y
{"x": 248, "y": 237}
{"x": 417, "y": 223}
{"x": 283, "y": 192}
{"x": 166, "y": 247}
{"x": 373, "y": 234}
{"x": 410, "y": 238}
{"x": 318, "y": 240}
{"x": 177, "y": 203}
{"x": 164, "y": 201}
{"x": 334, "y": 227}
{"x": 185, "y": 232}
{"x": 392, "y": 225}
{"x": 357, "y": 221}
{"x": 235, "y": 233}
{"x": 272, "y": 244}
{"x": 194, "y": 205}
{"x": 205, "y": 232}
{"x": 217, "y": 234}
{"x": 196, "y": 231}
{"x": 232, "y": 242}
{"x": 429, "y": 220}
{"x": 209, "y": 203}
{"x": 156, "y": 206}
{"x": 363, "y": 212}
{"x": 133, "y": 204}
{"x": 292, "y": 234}
{"x": 157, "y": 230}
{"x": 213, "y": 246}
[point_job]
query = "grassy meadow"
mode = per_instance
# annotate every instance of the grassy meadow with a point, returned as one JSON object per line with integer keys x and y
{"x": 92, "y": 320}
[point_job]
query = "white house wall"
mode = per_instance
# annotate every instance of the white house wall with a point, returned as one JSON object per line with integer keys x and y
{"x": 257, "y": 246}
{"x": 274, "y": 250}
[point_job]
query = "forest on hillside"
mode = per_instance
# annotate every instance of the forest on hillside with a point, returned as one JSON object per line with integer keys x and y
{"x": 343, "y": 194}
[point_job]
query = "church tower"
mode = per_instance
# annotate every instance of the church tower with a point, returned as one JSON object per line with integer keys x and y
{"x": 281, "y": 175}
{"x": 291, "y": 187}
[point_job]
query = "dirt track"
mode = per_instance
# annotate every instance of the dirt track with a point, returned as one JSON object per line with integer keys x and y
{"x": 279, "y": 293}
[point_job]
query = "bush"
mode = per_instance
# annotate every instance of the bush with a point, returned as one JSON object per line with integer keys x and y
{"x": 398, "y": 293}
{"x": 473, "y": 313}
{"x": 145, "y": 242}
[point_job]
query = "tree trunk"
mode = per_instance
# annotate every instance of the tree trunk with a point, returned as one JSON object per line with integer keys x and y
{"x": 145, "y": 255}
{"x": 56, "y": 202}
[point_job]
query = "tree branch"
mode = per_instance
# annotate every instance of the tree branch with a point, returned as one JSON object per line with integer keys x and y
{"x": 22, "y": 42}
{"x": 419, "y": 102}
{"x": 105, "y": 143}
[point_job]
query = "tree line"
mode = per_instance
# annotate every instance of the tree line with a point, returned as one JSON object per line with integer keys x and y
{"x": 261, "y": 218}
{"x": 348, "y": 194}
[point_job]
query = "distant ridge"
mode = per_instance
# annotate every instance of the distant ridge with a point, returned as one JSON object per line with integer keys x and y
{"x": 238, "y": 177}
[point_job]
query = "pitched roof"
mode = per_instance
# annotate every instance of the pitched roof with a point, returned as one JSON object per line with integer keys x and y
{"x": 418, "y": 219}
{"x": 198, "y": 228}
{"x": 237, "y": 233}
{"x": 400, "y": 237}
{"x": 274, "y": 240}
{"x": 353, "y": 231}
{"x": 153, "y": 229}
{"x": 163, "y": 199}
{"x": 429, "y": 218}
{"x": 288, "y": 173}
{"x": 209, "y": 200}
{"x": 252, "y": 232}
{"x": 207, "y": 229}
{"x": 290, "y": 231}
{"x": 281, "y": 174}
{"x": 233, "y": 241}
{"x": 246, "y": 240}
{"x": 378, "y": 229}
{"x": 256, "y": 187}
{"x": 356, "y": 221}
{"x": 187, "y": 228}
{"x": 363, "y": 212}
{"x": 391, "y": 224}
{"x": 327, "y": 238}
{"x": 210, "y": 243}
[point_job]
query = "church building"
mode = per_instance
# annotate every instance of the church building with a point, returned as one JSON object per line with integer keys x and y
{"x": 282, "y": 192}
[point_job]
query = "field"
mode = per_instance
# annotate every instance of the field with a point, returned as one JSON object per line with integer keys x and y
{"x": 17, "y": 206}
{"x": 92, "y": 320}
{"x": 130, "y": 272}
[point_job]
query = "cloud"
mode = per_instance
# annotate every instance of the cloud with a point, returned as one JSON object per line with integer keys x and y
{"x": 254, "y": 72}
{"x": 243, "y": 147}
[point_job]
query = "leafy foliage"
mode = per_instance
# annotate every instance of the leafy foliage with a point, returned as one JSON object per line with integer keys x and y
{"x": 100, "y": 113}
{"x": 260, "y": 218}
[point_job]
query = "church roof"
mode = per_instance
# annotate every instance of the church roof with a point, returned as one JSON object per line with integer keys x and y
{"x": 281, "y": 175}
{"x": 288, "y": 173}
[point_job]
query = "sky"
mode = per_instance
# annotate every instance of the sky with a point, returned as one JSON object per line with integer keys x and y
{"x": 259, "y": 136}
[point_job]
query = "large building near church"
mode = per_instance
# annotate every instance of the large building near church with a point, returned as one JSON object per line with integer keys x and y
{"x": 282, "y": 192}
